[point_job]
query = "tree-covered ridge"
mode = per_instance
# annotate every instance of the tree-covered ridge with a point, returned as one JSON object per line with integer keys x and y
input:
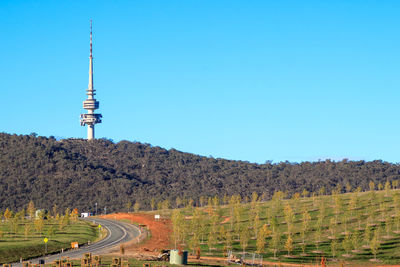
{"x": 78, "y": 173}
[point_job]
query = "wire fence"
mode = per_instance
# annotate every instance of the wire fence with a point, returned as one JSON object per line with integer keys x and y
{"x": 252, "y": 259}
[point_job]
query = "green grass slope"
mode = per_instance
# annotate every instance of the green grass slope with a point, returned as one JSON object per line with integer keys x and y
{"x": 22, "y": 240}
{"x": 358, "y": 227}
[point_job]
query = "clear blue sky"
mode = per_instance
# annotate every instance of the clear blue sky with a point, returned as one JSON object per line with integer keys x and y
{"x": 247, "y": 80}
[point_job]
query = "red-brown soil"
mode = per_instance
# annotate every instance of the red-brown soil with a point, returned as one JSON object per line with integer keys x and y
{"x": 227, "y": 219}
{"x": 160, "y": 233}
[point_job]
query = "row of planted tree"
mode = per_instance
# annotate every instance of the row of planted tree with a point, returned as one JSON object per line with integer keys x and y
{"x": 201, "y": 201}
{"x": 31, "y": 222}
{"x": 357, "y": 226}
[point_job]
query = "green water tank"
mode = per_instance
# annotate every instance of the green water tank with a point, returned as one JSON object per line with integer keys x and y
{"x": 175, "y": 258}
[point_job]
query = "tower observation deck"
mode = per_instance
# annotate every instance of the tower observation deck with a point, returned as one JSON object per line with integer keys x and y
{"x": 90, "y": 104}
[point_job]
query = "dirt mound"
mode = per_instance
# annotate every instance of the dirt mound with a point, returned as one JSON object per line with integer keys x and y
{"x": 160, "y": 232}
{"x": 227, "y": 219}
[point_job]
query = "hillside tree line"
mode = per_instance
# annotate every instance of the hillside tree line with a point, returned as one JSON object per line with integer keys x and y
{"x": 79, "y": 173}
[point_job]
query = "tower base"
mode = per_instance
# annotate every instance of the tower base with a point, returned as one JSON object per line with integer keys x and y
{"x": 90, "y": 132}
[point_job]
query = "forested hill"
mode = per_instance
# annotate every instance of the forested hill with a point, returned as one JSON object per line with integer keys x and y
{"x": 77, "y": 173}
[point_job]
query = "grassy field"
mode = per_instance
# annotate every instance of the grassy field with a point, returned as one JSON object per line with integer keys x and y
{"x": 20, "y": 239}
{"x": 359, "y": 227}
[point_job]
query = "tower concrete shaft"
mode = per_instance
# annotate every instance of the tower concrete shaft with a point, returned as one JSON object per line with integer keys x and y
{"x": 90, "y": 104}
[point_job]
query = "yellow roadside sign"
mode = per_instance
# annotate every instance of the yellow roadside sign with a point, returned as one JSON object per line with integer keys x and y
{"x": 45, "y": 240}
{"x": 99, "y": 226}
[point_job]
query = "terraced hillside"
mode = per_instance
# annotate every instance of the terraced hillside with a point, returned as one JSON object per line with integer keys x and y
{"x": 359, "y": 227}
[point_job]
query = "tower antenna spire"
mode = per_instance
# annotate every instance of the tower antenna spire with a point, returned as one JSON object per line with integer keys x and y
{"x": 90, "y": 38}
{"x": 90, "y": 104}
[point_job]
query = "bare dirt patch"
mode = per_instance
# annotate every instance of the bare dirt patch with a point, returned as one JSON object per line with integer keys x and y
{"x": 227, "y": 219}
{"x": 160, "y": 231}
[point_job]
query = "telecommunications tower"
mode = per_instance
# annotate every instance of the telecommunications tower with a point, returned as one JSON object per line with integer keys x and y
{"x": 90, "y": 104}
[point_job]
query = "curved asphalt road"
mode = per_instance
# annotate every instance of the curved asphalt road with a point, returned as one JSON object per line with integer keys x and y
{"x": 118, "y": 232}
